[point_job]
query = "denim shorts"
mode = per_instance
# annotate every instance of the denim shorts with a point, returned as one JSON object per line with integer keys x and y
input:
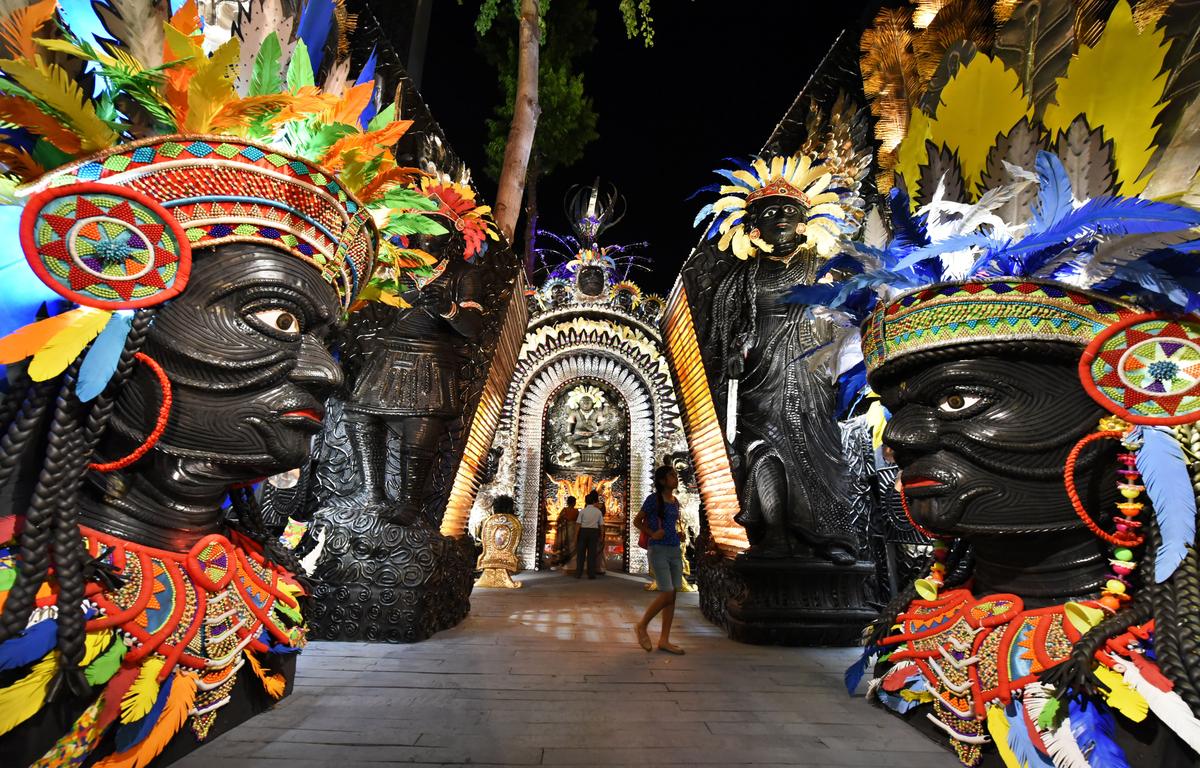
{"x": 667, "y": 563}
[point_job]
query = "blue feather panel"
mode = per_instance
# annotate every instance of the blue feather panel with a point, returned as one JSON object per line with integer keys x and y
{"x": 908, "y": 231}
{"x": 850, "y": 385}
{"x": 1020, "y": 738}
{"x": 1055, "y": 198}
{"x": 130, "y": 735}
{"x": 315, "y": 23}
{"x": 856, "y": 671}
{"x": 29, "y": 646}
{"x": 367, "y": 75}
{"x": 1094, "y": 728}
{"x": 101, "y": 360}
{"x": 1169, "y": 486}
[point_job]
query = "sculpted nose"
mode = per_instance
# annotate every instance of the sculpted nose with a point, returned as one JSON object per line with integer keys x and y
{"x": 912, "y": 429}
{"x": 316, "y": 369}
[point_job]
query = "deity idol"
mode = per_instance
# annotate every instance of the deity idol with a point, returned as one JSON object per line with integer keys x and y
{"x": 781, "y": 218}
{"x": 201, "y": 270}
{"x": 1044, "y": 400}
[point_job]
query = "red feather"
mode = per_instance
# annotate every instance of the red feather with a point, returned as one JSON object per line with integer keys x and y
{"x": 114, "y": 692}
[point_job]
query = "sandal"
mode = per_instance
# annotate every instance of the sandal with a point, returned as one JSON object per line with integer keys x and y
{"x": 643, "y": 638}
{"x": 670, "y": 648}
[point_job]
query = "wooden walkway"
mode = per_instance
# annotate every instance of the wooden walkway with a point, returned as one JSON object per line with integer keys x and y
{"x": 551, "y": 675}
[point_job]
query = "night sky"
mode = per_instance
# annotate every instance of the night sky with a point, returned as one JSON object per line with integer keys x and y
{"x": 719, "y": 77}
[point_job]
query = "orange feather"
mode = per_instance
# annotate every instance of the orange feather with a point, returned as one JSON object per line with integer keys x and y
{"x": 18, "y": 29}
{"x": 187, "y": 18}
{"x": 175, "y": 713}
{"x": 351, "y": 105}
{"x": 23, "y": 113}
{"x": 273, "y": 684}
{"x": 374, "y": 143}
{"x": 25, "y": 342}
{"x": 20, "y": 163}
{"x": 237, "y": 114}
{"x": 389, "y": 178}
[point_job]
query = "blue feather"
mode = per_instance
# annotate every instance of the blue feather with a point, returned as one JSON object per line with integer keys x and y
{"x": 856, "y": 671}
{"x": 850, "y": 384}
{"x": 704, "y": 213}
{"x": 1165, "y": 475}
{"x": 1093, "y": 727}
{"x": 908, "y": 231}
{"x": 101, "y": 360}
{"x": 932, "y": 250}
{"x": 1055, "y": 198}
{"x": 895, "y": 703}
{"x": 29, "y": 646}
{"x": 130, "y": 735}
{"x": 367, "y": 75}
{"x": 728, "y": 175}
{"x": 315, "y": 23}
{"x": 1027, "y": 752}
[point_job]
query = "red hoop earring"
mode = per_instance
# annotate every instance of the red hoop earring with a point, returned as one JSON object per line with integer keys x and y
{"x": 160, "y": 425}
{"x": 1117, "y": 540}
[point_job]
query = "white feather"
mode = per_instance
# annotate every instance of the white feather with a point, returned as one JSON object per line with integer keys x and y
{"x": 1064, "y": 750}
{"x": 1166, "y": 705}
{"x": 875, "y": 231}
{"x": 309, "y": 563}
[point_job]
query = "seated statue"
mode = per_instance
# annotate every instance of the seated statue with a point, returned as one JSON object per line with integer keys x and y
{"x": 501, "y": 534}
{"x": 586, "y": 427}
{"x": 145, "y": 604}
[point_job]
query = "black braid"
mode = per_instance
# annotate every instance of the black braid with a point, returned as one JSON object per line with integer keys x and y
{"x": 13, "y": 397}
{"x": 23, "y": 426}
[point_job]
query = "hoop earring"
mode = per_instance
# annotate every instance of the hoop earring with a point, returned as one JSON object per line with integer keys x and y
{"x": 160, "y": 425}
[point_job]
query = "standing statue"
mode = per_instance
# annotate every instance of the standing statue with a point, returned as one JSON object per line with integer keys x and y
{"x": 781, "y": 217}
{"x": 1037, "y": 344}
{"x": 408, "y": 381}
{"x": 145, "y": 605}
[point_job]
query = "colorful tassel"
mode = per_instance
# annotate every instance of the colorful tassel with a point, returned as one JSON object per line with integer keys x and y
{"x": 177, "y": 706}
{"x": 273, "y": 683}
{"x": 142, "y": 694}
{"x": 21, "y": 700}
{"x": 73, "y": 749}
{"x": 100, "y": 362}
{"x": 1169, "y": 486}
{"x": 1167, "y": 706}
{"x": 60, "y": 350}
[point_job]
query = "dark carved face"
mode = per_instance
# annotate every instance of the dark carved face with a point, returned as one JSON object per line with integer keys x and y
{"x": 624, "y": 300}
{"x": 982, "y": 443}
{"x": 244, "y": 350}
{"x": 444, "y": 246}
{"x": 590, "y": 281}
{"x": 778, "y": 221}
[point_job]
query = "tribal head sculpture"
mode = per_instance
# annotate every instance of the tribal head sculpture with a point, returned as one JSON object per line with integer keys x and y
{"x": 1034, "y": 335}
{"x": 192, "y": 272}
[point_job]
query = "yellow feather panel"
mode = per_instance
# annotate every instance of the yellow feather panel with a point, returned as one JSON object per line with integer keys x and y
{"x": 211, "y": 88}
{"x": 55, "y": 86}
{"x": 997, "y": 725}
{"x": 1118, "y": 84}
{"x": 140, "y": 697}
{"x": 21, "y": 700}
{"x": 96, "y": 642}
{"x": 175, "y": 713}
{"x": 911, "y": 153}
{"x": 62, "y": 348}
{"x": 983, "y": 99}
{"x": 1121, "y": 697}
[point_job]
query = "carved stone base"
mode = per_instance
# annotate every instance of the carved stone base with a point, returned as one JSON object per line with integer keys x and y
{"x": 381, "y": 582}
{"x": 787, "y": 601}
{"x": 497, "y": 578}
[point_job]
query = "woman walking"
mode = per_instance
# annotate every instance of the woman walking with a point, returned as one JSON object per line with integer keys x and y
{"x": 659, "y": 520}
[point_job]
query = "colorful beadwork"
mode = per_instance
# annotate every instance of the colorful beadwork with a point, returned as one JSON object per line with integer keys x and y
{"x": 224, "y": 190}
{"x": 104, "y": 246}
{"x": 954, "y": 313}
{"x": 1146, "y": 369}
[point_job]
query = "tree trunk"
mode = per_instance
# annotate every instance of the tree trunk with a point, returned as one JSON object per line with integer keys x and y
{"x": 524, "y": 124}
{"x": 531, "y": 217}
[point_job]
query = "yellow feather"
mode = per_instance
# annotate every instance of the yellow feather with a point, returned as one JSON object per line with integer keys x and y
{"x": 1119, "y": 85}
{"x": 211, "y": 88}
{"x": 997, "y": 725}
{"x": 983, "y": 99}
{"x": 62, "y": 349}
{"x": 21, "y": 700}
{"x": 95, "y": 644}
{"x": 1121, "y": 697}
{"x": 54, "y": 85}
{"x": 26, "y": 341}
{"x": 912, "y": 153}
{"x": 776, "y": 166}
{"x": 140, "y": 697}
{"x": 273, "y": 684}
{"x": 175, "y": 713}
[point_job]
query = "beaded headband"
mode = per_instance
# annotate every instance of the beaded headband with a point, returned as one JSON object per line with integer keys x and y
{"x": 116, "y": 230}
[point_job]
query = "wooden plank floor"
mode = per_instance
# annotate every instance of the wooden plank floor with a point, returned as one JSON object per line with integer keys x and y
{"x": 551, "y": 675}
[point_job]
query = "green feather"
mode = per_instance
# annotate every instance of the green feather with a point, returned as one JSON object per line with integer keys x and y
{"x": 300, "y": 71}
{"x": 411, "y": 224}
{"x": 404, "y": 197}
{"x": 264, "y": 78}
{"x": 1047, "y": 720}
{"x": 381, "y": 120}
{"x": 106, "y": 664}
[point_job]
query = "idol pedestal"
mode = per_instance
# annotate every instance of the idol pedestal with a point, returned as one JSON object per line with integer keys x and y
{"x": 786, "y": 601}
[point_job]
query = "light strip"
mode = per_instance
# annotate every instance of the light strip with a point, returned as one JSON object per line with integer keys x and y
{"x": 705, "y": 438}
{"x": 487, "y": 414}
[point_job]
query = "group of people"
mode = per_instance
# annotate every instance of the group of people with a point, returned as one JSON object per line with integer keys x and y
{"x": 581, "y": 532}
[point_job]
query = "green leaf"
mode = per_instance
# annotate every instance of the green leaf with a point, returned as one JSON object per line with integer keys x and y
{"x": 300, "y": 71}
{"x": 1046, "y": 720}
{"x": 106, "y": 664}
{"x": 264, "y": 78}
{"x": 405, "y": 224}
{"x": 382, "y": 119}
{"x": 404, "y": 197}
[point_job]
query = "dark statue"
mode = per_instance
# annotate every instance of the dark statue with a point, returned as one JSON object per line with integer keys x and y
{"x": 788, "y": 446}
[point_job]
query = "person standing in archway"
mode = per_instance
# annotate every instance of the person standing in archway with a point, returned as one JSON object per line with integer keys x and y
{"x": 587, "y": 548}
{"x": 568, "y": 526}
{"x": 659, "y": 521}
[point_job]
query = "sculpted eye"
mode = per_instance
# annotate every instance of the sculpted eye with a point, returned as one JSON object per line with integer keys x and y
{"x": 280, "y": 320}
{"x": 956, "y": 402}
